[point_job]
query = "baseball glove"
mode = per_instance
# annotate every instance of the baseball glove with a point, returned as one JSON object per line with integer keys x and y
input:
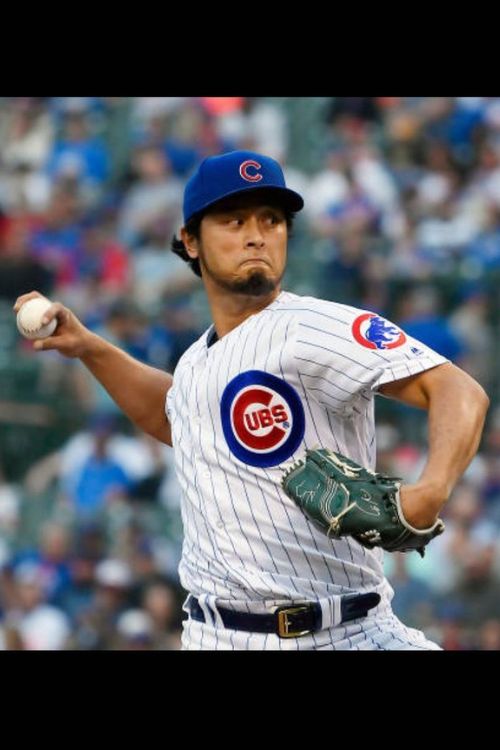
{"x": 344, "y": 499}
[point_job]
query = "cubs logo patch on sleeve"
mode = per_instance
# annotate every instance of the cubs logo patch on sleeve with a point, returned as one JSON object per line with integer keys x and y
{"x": 262, "y": 418}
{"x": 374, "y": 332}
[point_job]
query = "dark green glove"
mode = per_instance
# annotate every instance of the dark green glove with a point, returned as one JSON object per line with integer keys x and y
{"x": 344, "y": 499}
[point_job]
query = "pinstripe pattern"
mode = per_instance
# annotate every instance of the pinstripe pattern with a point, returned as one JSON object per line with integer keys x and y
{"x": 369, "y": 634}
{"x": 245, "y": 542}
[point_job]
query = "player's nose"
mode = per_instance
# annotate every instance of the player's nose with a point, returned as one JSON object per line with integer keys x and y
{"x": 254, "y": 236}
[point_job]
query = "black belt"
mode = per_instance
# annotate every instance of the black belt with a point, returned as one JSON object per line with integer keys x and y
{"x": 289, "y": 622}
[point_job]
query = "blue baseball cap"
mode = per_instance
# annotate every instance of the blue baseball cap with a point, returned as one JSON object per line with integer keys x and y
{"x": 218, "y": 177}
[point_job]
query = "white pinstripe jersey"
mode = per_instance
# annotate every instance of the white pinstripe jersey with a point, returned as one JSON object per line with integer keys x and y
{"x": 302, "y": 372}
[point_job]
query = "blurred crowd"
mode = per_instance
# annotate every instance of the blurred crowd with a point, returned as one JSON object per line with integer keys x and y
{"x": 402, "y": 217}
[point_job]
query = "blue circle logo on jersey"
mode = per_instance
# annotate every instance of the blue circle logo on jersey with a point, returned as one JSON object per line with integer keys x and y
{"x": 262, "y": 418}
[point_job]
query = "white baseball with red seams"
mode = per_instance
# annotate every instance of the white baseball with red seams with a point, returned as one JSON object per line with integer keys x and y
{"x": 29, "y": 319}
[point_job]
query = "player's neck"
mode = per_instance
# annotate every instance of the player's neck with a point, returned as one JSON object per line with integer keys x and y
{"x": 231, "y": 310}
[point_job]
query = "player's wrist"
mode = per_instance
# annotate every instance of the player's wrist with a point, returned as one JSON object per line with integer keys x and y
{"x": 92, "y": 345}
{"x": 421, "y": 503}
{"x": 434, "y": 491}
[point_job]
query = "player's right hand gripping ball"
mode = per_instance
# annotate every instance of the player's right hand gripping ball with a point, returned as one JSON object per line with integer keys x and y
{"x": 29, "y": 319}
{"x": 344, "y": 499}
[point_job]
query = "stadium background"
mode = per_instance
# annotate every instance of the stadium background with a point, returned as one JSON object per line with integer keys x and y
{"x": 402, "y": 217}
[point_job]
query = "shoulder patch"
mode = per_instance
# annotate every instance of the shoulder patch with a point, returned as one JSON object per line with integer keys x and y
{"x": 374, "y": 332}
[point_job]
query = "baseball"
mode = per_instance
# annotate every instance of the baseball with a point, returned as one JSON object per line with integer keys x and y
{"x": 29, "y": 319}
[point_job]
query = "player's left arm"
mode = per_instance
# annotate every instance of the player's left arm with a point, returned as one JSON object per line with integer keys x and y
{"x": 457, "y": 407}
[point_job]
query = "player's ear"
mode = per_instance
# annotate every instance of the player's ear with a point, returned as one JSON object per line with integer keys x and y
{"x": 190, "y": 243}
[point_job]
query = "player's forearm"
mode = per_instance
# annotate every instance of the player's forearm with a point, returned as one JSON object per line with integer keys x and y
{"x": 139, "y": 390}
{"x": 457, "y": 411}
{"x": 457, "y": 408}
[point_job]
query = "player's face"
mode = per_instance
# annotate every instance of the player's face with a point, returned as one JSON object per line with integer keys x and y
{"x": 242, "y": 246}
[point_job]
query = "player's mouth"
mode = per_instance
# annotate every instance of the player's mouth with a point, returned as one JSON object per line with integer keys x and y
{"x": 255, "y": 260}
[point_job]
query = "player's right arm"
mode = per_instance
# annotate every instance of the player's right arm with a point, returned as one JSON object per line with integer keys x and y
{"x": 139, "y": 390}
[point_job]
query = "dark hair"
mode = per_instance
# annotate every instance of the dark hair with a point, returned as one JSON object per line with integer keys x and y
{"x": 193, "y": 227}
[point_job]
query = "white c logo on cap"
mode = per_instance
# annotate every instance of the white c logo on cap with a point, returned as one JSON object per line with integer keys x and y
{"x": 244, "y": 171}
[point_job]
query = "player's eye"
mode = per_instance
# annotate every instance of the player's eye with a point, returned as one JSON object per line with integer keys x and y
{"x": 274, "y": 218}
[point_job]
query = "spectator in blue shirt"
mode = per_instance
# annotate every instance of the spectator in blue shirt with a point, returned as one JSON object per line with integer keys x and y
{"x": 420, "y": 317}
{"x": 100, "y": 479}
{"x": 79, "y": 154}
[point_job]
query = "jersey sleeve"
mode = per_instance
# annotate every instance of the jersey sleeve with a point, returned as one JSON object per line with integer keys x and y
{"x": 344, "y": 354}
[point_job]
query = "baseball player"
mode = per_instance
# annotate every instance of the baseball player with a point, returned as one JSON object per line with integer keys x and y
{"x": 277, "y": 374}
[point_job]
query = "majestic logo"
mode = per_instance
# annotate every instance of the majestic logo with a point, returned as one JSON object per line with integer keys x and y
{"x": 262, "y": 418}
{"x": 248, "y": 176}
{"x": 374, "y": 332}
